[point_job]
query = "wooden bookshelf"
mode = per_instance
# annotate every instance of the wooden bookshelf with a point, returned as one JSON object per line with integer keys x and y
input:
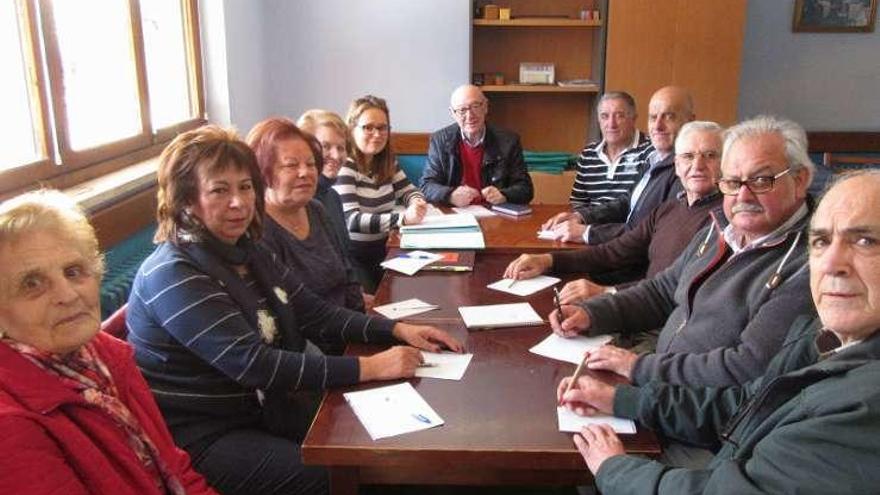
{"x": 547, "y": 117}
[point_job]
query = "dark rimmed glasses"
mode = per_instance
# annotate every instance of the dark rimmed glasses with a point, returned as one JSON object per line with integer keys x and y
{"x": 756, "y": 185}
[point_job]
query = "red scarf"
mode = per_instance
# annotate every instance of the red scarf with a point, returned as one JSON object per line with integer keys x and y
{"x": 85, "y": 372}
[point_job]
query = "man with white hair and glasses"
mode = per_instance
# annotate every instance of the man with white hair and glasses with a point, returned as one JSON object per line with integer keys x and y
{"x": 724, "y": 305}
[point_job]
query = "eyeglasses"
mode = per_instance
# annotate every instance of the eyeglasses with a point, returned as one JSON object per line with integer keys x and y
{"x": 690, "y": 156}
{"x": 464, "y": 109}
{"x": 373, "y": 129}
{"x": 757, "y": 185}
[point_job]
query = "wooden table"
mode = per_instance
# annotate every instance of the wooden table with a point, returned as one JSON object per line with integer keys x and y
{"x": 500, "y": 419}
{"x": 514, "y": 235}
{"x": 500, "y": 425}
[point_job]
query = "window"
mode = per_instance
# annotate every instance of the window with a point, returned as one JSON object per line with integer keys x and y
{"x": 93, "y": 87}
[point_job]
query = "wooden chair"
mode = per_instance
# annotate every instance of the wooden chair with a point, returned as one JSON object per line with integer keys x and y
{"x": 840, "y": 163}
{"x": 115, "y": 324}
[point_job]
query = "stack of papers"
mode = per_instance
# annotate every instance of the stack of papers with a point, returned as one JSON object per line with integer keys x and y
{"x": 445, "y": 365}
{"x": 500, "y": 315}
{"x": 478, "y": 211}
{"x": 523, "y": 287}
{"x": 570, "y": 350}
{"x": 459, "y": 231}
{"x": 392, "y": 410}
{"x": 402, "y": 309}
{"x": 571, "y": 422}
{"x": 411, "y": 262}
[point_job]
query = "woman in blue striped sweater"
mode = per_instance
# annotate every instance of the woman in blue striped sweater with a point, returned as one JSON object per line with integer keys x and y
{"x": 370, "y": 184}
{"x": 222, "y": 329}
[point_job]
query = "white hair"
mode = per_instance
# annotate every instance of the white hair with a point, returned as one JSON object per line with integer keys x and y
{"x": 696, "y": 126}
{"x": 792, "y": 134}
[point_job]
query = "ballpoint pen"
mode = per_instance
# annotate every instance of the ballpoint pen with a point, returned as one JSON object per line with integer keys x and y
{"x": 421, "y": 417}
{"x": 558, "y": 306}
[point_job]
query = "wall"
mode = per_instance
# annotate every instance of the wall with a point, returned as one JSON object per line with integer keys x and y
{"x": 282, "y": 57}
{"x": 325, "y": 53}
{"x": 823, "y": 81}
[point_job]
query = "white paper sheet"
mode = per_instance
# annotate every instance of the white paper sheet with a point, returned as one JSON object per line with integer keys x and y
{"x": 402, "y": 309}
{"x": 432, "y": 211}
{"x": 500, "y": 315}
{"x": 411, "y": 262}
{"x": 478, "y": 211}
{"x": 570, "y": 350}
{"x": 571, "y": 422}
{"x": 446, "y": 365}
{"x": 392, "y": 410}
{"x": 546, "y": 235}
{"x": 446, "y": 240}
{"x": 523, "y": 287}
{"x": 434, "y": 222}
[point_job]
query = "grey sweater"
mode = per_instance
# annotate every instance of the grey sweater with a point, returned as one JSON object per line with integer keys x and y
{"x": 723, "y": 317}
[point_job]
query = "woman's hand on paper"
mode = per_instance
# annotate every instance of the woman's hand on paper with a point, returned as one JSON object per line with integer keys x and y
{"x": 426, "y": 337}
{"x": 398, "y": 362}
{"x": 528, "y": 266}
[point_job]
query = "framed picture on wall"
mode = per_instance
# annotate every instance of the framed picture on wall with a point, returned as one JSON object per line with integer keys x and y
{"x": 834, "y": 16}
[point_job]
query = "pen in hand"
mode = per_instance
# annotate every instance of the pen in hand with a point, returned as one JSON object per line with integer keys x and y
{"x": 558, "y": 305}
{"x": 577, "y": 373}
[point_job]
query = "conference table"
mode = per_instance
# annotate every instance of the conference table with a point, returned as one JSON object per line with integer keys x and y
{"x": 500, "y": 419}
{"x": 513, "y": 235}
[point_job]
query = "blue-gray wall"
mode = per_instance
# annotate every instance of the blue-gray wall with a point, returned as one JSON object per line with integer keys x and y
{"x": 280, "y": 57}
{"x": 824, "y": 81}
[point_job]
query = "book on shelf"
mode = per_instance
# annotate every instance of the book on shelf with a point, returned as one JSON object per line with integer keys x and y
{"x": 512, "y": 209}
{"x": 450, "y": 261}
{"x": 576, "y": 83}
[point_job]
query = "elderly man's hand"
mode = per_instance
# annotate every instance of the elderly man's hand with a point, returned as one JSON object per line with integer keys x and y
{"x": 426, "y": 337}
{"x": 588, "y": 397}
{"x": 597, "y": 443}
{"x": 528, "y": 266}
{"x": 493, "y": 195}
{"x": 463, "y": 196}
{"x": 613, "y": 358}
{"x": 570, "y": 231}
{"x": 560, "y": 218}
{"x": 571, "y": 322}
{"x": 579, "y": 290}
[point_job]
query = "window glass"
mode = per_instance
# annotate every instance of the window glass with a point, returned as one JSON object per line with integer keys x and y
{"x": 98, "y": 69}
{"x": 19, "y": 144}
{"x": 166, "y": 54}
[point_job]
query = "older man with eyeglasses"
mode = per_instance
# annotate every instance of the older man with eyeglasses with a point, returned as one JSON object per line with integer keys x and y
{"x": 724, "y": 305}
{"x": 470, "y": 162}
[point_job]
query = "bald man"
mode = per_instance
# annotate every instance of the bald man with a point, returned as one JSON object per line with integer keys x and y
{"x": 470, "y": 162}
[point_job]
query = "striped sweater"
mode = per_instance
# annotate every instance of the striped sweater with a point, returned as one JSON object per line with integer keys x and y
{"x": 369, "y": 205}
{"x": 598, "y": 179}
{"x": 205, "y": 362}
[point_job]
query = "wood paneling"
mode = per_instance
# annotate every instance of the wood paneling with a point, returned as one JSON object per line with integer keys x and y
{"x": 691, "y": 43}
{"x": 844, "y": 142}
{"x": 410, "y": 143}
{"x": 124, "y": 217}
{"x": 545, "y": 122}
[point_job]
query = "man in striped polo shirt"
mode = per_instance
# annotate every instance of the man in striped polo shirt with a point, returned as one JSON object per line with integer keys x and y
{"x": 609, "y": 168}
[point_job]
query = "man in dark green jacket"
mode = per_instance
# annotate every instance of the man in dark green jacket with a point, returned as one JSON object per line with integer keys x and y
{"x": 811, "y": 424}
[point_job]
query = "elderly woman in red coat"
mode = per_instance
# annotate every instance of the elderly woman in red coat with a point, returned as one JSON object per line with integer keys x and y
{"x": 75, "y": 414}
